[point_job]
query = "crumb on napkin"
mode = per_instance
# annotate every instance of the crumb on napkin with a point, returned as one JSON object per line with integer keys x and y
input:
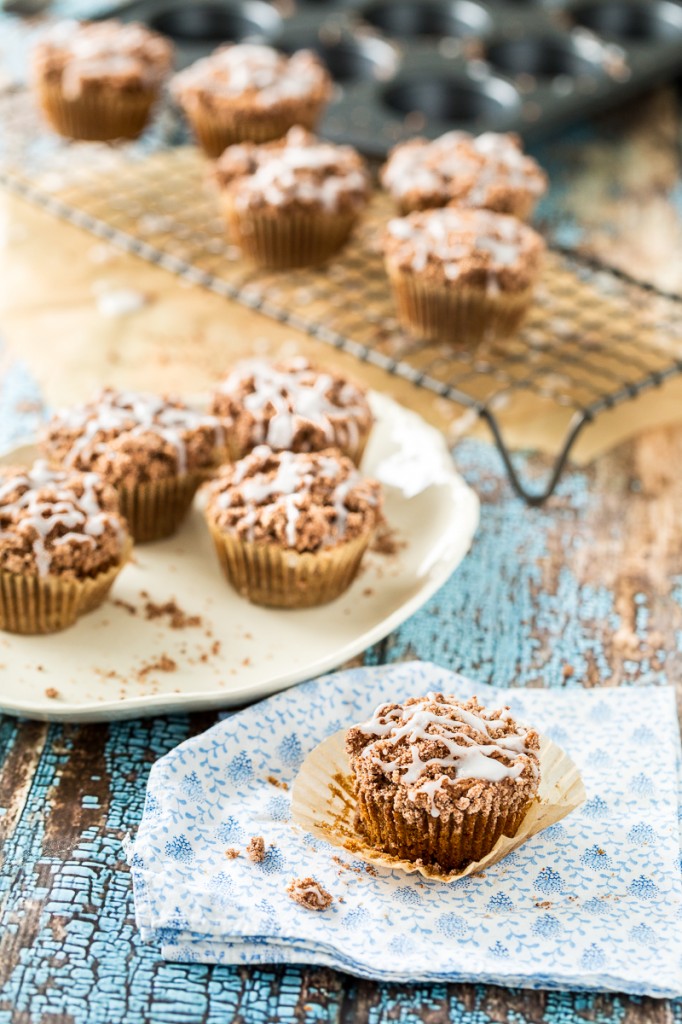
{"x": 309, "y": 893}
{"x": 255, "y": 849}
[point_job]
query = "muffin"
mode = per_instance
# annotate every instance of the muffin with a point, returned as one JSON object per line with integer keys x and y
{"x": 154, "y": 450}
{"x": 99, "y": 80}
{"x": 291, "y": 203}
{"x": 290, "y": 528}
{"x": 462, "y": 276}
{"x": 292, "y": 406}
{"x": 438, "y": 780}
{"x": 489, "y": 172}
{"x": 250, "y": 93}
{"x": 62, "y": 544}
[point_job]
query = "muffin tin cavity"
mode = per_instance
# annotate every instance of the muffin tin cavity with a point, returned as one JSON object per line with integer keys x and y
{"x": 213, "y": 23}
{"x": 425, "y": 66}
{"x": 405, "y": 19}
{"x": 449, "y": 100}
{"x": 644, "y": 21}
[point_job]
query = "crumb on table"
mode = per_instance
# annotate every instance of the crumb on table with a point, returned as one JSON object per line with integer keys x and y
{"x": 309, "y": 894}
{"x": 274, "y": 781}
{"x": 232, "y": 852}
{"x": 255, "y": 849}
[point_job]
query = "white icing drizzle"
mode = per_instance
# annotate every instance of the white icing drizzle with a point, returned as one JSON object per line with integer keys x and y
{"x": 133, "y": 414}
{"x": 476, "y": 164}
{"x": 450, "y": 235}
{"x": 299, "y": 396}
{"x": 81, "y": 516}
{"x": 107, "y": 49}
{"x": 468, "y": 758}
{"x": 302, "y": 170}
{"x": 267, "y": 76}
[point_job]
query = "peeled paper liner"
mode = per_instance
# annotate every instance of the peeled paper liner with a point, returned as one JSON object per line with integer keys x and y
{"x": 323, "y": 803}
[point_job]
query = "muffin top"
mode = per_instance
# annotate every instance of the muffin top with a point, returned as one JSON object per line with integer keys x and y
{"x": 300, "y": 501}
{"x": 476, "y": 247}
{"x": 131, "y": 437}
{"x": 293, "y": 172}
{"x": 291, "y": 405}
{"x": 110, "y": 53}
{"x": 252, "y": 77}
{"x": 437, "y": 750}
{"x": 489, "y": 170}
{"x": 58, "y": 522}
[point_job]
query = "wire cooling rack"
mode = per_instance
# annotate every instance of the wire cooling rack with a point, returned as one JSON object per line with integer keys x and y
{"x": 594, "y": 338}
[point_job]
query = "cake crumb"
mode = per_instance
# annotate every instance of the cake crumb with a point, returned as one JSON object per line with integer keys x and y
{"x": 309, "y": 894}
{"x": 232, "y": 852}
{"x": 567, "y": 671}
{"x": 163, "y": 664}
{"x": 126, "y": 605}
{"x": 178, "y": 619}
{"x": 51, "y": 693}
{"x": 386, "y": 541}
{"x": 274, "y": 781}
{"x": 255, "y": 849}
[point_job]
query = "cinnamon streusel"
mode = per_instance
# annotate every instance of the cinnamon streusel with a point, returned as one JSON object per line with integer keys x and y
{"x": 488, "y": 171}
{"x": 294, "y": 202}
{"x": 154, "y": 450}
{"x": 290, "y": 529}
{"x": 292, "y": 406}
{"x": 439, "y": 780}
{"x": 62, "y": 544}
{"x": 251, "y": 93}
{"x": 99, "y": 80}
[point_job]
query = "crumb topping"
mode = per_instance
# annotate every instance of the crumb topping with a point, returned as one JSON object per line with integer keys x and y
{"x": 257, "y": 76}
{"x": 124, "y": 56}
{"x": 309, "y": 893}
{"x": 296, "y": 171}
{"x": 58, "y": 523}
{"x": 255, "y": 849}
{"x": 490, "y": 170}
{"x": 305, "y": 502}
{"x": 293, "y": 406}
{"x": 434, "y": 748}
{"x": 476, "y": 247}
{"x": 132, "y": 437}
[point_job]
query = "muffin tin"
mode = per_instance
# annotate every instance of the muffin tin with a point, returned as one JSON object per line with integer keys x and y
{"x": 426, "y": 66}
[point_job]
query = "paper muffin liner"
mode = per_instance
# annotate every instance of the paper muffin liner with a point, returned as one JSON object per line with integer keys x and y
{"x": 278, "y": 239}
{"x": 217, "y": 128}
{"x": 47, "y": 604}
{"x": 155, "y": 509}
{"x": 457, "y": 315}
{"x": 520, "y": 205}
{"x": 97, "y": 115}
{"x": 278, "y": 577}
{"x": 324, "y": 803}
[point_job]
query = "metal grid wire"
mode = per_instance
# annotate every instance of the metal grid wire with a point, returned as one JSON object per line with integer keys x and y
{"x": 593, "y": 340}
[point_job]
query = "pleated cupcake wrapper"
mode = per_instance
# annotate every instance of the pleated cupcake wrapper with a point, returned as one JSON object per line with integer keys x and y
{"x": 281, "y": 578}
{"x": 215, "y": 130}
{"x": 155, "y": 510}
{"x": 47, "y": 604}
{"x": 520, "y": 206}
{"x": 97, "y": 115}
{"x": 457, "y": 315}
{"x": 324, "y": 803}
{"x": 281, "y": 239}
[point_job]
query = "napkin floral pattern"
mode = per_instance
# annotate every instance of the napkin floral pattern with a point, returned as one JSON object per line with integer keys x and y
{"x": 592, "y": 903}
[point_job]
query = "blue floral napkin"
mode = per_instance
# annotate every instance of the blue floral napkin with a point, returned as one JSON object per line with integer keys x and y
{"x": 592, "y": 903}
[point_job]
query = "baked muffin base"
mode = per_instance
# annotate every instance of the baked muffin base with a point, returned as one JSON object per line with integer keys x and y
{"x": 98, "y": 115}
{"x": 272, "y": 238}
{"x": 278, "y": 577}
{"x": 521, "y": 206}
{"x": 48, "y": 604}
{"x": 457, "y": 315}
{"x": 217, "y": 128}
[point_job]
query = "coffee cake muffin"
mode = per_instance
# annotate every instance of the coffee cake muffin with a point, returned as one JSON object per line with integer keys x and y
{"x": 292, "y": 406}
{"x": 488, "y": 171}
{"x": 438, "y": 780}
{"x": 62, "y": 544}
{"x": 99, "y": 80}
{"x": 154, "y": 450}
{"x": 251, "y": 93}
{"x": 290, "y": 529}
{"x": 462, "y": 276}
{"x": 291, "y": 203}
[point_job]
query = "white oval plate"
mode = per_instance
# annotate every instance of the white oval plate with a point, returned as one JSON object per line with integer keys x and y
{"x": 117, "y": 662}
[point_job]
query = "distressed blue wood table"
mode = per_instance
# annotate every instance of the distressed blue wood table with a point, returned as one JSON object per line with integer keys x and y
{"x": 586, "y": 591}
